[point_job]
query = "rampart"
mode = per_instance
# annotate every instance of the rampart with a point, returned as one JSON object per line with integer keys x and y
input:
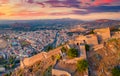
{"x": 39, "y": 57}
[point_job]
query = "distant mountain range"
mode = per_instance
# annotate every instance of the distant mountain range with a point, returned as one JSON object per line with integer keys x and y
{"x": 101, "y": 23}
{"x": 38, "y": 24}
{"x": 38, "y": 21}
{"x": 55, "y": 24}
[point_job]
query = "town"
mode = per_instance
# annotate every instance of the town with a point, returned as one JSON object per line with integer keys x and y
{"x": 65, "y": 59}
{"x": 17, "y": 45}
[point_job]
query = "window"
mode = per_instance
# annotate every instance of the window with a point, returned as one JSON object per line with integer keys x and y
{"x": 77, "y": 43}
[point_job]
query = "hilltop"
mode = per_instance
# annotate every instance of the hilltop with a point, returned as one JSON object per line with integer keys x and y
{"x": 96, "y": 50}
{"x": 102, "y": 61}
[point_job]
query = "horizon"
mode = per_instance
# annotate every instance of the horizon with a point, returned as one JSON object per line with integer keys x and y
{"x": 55, "y": 19}
{"x": 86, "y": 10}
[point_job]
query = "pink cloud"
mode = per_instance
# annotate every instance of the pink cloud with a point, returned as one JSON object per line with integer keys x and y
{"x": 61, "y": 13}
{"x": 1, "y": 14}
{"x": 4, "y": 1}
{"x": 29, "y": 13}
{"x": 101, "y": 2}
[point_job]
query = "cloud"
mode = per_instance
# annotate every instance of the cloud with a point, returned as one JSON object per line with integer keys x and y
{"x": 4, "y": 1}
{"x": 98, "y": 9}
{"x": 31, "y": 9}
{"x": 2, "y": 14}
{"x": 101, "y": 2}
{"x": 94, "y": 3}
{"x": 28, "y": 13}
{"x": 102, "y": 15}
{"x": 60, "y": 13}
{"x": 64, "y": 3}
{"x": 56, "y": 3}
{"x": 36, "y": 2}
{"x": 104, "y": 9}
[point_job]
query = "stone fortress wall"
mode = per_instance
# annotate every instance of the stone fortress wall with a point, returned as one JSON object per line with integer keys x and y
{"x": 91, "y": 39}
{"x": 88, "y": 39}
{"x": 57, "y": 72}
{"x": 39, "y": 57}
{"x": 103, "y": 34}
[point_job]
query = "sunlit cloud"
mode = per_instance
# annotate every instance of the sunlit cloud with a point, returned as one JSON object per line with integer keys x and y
{"x": 52, "y": 9}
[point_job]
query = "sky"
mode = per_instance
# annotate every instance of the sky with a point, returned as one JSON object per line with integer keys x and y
{"x": 57, "y": 9}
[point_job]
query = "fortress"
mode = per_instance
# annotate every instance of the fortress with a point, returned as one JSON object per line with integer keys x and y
{"x": 93, "y": 40}
{"x": 98, "y": 37}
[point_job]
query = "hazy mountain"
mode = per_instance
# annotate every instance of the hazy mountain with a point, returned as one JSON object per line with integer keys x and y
{"x": 55, "y": 24}
{"x": 101, "y": 23}
{"x": 38, "y": 21}
{"x": 39, "y": 24}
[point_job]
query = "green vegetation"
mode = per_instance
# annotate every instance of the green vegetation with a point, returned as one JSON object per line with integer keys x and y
{"x": 11, "y": 60}
{"x": 116, "y": 71}
{"x": 6, "y": 37}
{"x": 24, "y": 43}
{"x": 10, "y": 64}
{"x": 72, "y": 53}
{"x": 82, "y": 65}
{"x": 70, "y": 34}
{"x": 7, "y": 75}
{"x": 91, "y": 32}
{"x": 87, "y": 47}
{"x": 3, "y": 61}
{"x": 49, "y": 48}
{"x": 48, "y": 72}
{"x": 58, "y": 57}
{"x": 113, "y": 40}
{"x": 114, "y": 29}
{"x": 64, "y": 49}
